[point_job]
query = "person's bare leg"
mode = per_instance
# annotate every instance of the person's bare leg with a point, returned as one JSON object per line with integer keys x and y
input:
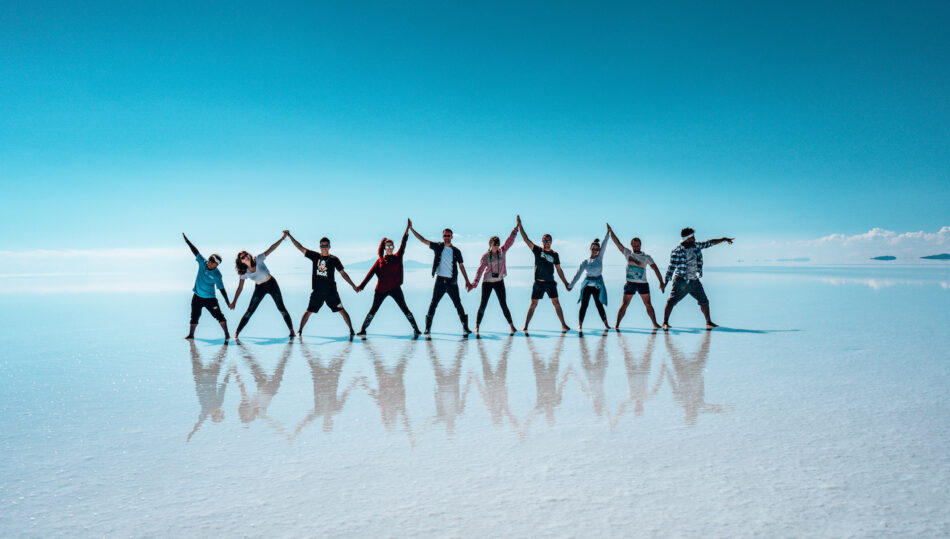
{"x": 709, "y": 322}
{"x": 560, "y": 315}
{"x": 649, "y": 305}
{"x": 623, "y": 310}
{"x": 303, "y": 321}
{"x": 666, "y": 316}
{"x": 346, "y": 318}
{"x": 531, "y": 308}
{"x": 191, "y": 331}
{"x": 224, "y": 326}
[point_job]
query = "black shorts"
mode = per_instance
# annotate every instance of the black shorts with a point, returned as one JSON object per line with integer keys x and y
{"x": 198, "y": 303}
{"x": 630, "y": 289}
{"x": 330, "y": 297}
{"x": 541, "y": 288}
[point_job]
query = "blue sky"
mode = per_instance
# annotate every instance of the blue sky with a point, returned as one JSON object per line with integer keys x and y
{"x": 123, "y": 124}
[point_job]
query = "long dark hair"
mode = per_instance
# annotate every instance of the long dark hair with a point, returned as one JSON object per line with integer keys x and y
{"x": 241, "y": 267}
{"x": 382, "y": 248}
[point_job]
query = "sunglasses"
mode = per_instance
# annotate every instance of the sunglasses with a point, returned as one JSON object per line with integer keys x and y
{"x": 324, "y": 245}
{"x": 446, "y": 235}
{"x": 545, "y": 241}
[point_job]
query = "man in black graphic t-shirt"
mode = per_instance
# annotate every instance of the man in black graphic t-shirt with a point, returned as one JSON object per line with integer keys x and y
{"x": 323, "y": 282}
{"x": 546, "y": 261}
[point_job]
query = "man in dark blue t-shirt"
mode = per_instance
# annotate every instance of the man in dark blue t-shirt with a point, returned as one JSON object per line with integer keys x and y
{"x": 546, "y": 261}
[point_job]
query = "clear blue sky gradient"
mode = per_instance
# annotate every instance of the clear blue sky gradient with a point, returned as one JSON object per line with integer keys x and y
{"x": 123, "y": 124}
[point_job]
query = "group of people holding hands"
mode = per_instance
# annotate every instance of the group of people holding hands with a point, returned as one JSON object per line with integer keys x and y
{"x": 684, "y": 273}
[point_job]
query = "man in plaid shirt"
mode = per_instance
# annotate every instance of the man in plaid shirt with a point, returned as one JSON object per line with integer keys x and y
{"x": 686, "y": 268}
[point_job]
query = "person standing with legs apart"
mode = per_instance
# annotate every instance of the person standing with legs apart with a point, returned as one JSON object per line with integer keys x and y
{"x": 686, "y": 263}
{"x": 493, "y": 267}
{"x": 253, "y": 268}
{"x": 637, "y": 262}
{"x": 593, "y": 286}
{"x": 546, "y": 260}
{"x": 446, "y": 265}
{"x": 388, "y": 272}
{"x": 208, "y": 278}
{"x": 323, "y": 282}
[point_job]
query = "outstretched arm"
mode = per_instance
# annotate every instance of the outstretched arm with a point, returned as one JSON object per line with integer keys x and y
{"x": 560, "y": 273}
{"x": 347, "y": 279}
{"x": 225, "y": 294}
{"x": 614, "y": 237}
{"x": 720, "y": 240}
{"x": 468, "y": 283}
{"x": 510, "y": 240}
{"x": 418, "y": 236}
{"x": 276, "y": 243}
{"x": 658, "y": 276}
{"x": 237, "y": 293}
{"x": 580, "y": 270}
{"x": 524, "y": 234}
{"x": 296, "y": 243}
{"x": 370, "y": 273}
{"x": 194, "y": 250}
{"x": 402, "y": 244}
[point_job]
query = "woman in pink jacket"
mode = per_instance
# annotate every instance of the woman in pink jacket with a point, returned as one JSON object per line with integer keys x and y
{"x": 493, "y": 267}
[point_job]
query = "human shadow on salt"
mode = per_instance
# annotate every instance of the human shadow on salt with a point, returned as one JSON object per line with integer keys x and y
{"x": 639, "y": 389}
{"x": 493, "y": 385}
{"x": 687, "y": 380}
{"x": 210, "y": 392}
{"x": 390, "y": 393}
{"x": 449, "y": 396}
{"x": 549, "y": 388}
{"x": 595, "y": 371}
{"x": 327, "y": 401}
{"x": 255, "y": 407}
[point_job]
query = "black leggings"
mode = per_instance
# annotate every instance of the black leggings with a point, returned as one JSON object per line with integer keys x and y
{"x": 499, "y": 288}
{"x": 591, "y": 292}
{"x": 261, "y": 290}
{"x": 398, "y": 297}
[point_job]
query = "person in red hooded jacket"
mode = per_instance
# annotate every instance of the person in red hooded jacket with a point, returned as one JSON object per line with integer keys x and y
{"x": 388, "y": 272}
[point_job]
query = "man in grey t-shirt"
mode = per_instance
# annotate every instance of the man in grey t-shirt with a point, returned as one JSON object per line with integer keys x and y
{"x": 637, "y": 262}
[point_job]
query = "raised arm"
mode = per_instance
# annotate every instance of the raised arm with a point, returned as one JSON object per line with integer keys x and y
{"x": 511, "y": 240}
{"x": 296, "y": 243}
{"x": 276, "y": 243}
{"x": 614, "y": 237}
{"x": 194, "y": 250}
{"x": 402, "y": 244}
{"x": 603, "y": 246}
{"x": 417, "y": 235}
{"x": 720, "y": 240}
{"x": 524, "y": 235}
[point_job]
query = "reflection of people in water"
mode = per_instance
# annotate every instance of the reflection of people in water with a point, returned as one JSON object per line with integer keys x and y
{"x": 595, "y": 371}
{"x": 687, "y": 382}
{"x": 391, "y": 393}
{"x": 638, "y": 377}
{"x": 251, "y": 408}
{"x": 449, "y": 400}
{"x": 494, "y": 386}
{"x": 549, "y": 389}
{"x": 210, "y": 393}
{"x": 326, "y": 380}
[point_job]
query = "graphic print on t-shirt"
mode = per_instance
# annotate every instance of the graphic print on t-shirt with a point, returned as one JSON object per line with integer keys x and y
{"x": 321, "y": 268}
{"x": 636, "y": 266}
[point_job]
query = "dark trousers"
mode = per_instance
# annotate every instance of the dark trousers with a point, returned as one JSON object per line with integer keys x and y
{"x": 682, "y": 287}
{"x": 268, "y": 288}
{"x": 398, "y": 297}
{"x": 198, "y": 303}
{"x": 443, "y": 286}
{"x": 591, "y": 292}
{"x": 499, "y": 288}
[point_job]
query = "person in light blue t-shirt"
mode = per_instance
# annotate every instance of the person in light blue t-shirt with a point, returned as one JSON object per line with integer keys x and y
{"x": 208, "y": 278}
